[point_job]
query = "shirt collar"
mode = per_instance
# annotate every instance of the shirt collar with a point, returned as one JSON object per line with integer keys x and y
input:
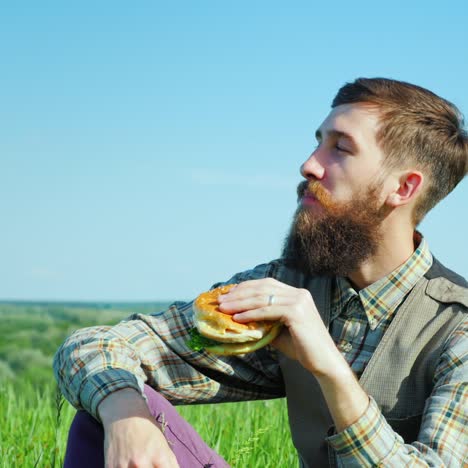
{"x": 380, "y": 299}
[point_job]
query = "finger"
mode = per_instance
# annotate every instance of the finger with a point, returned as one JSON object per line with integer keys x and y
{"x": 264, "y": 286}
{"x": 233, "y": 305}
{"x": 263, "y": 295}
{"x": 240, "y": 294}
{"x": 275, "y": 312}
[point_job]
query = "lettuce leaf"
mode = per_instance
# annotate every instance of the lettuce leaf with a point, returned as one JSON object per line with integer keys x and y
{"x": 198, "y": 342}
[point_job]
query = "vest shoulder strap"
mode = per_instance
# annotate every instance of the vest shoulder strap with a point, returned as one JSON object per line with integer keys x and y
{"x": 446, "y": 286}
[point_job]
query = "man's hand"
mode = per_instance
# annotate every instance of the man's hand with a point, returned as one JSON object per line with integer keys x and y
{"x": 131, "y": 436}
{"x": 305, "y": 339}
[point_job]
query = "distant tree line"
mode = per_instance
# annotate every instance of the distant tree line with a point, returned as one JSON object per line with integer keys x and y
{"x": 30, "y": 333}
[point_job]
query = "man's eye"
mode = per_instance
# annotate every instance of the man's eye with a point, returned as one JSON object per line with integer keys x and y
{"x": 340, "y": 148}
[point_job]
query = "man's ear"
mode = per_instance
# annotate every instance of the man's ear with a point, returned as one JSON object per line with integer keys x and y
{"x": 407, "y": 187}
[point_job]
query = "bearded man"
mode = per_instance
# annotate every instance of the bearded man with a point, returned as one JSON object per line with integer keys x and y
{"x": 373, "y": 355}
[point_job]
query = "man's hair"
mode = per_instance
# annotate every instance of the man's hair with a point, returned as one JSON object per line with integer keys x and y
{"x": 417, "y": 128}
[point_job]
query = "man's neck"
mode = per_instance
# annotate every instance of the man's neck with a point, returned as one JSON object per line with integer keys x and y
{"x": 396, "y": 248}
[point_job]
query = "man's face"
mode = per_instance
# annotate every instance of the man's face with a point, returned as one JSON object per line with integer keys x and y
{"x": 337, "y": 223}
{"x": 347, "y": 158}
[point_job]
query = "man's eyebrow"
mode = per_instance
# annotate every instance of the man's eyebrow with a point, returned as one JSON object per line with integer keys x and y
{"x": 337, "y": 134}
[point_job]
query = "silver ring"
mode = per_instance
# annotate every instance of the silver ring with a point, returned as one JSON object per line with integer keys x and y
{"x": 271, "y": 299}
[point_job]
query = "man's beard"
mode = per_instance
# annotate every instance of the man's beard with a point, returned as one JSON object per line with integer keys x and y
{"x": 338, "y": 240}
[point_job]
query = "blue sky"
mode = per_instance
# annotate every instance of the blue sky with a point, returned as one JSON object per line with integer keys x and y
{"x": 149, "y": 149}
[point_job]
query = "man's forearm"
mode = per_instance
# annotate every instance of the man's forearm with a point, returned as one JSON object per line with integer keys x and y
{"x": 122, "y": 404}
{"x": 131, "y": 435}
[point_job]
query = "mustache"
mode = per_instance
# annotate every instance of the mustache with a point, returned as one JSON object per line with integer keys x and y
{"x": 313, "y": 187}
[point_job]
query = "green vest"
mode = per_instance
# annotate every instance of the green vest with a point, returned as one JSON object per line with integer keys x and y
{"x": 399, "y": 375}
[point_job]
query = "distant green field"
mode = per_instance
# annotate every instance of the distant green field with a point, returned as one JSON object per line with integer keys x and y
{"x": 30, "y": 333}
{"x": 34, "y": 421}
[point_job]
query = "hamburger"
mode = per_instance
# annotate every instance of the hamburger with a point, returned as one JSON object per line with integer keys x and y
{"x": 217, "y": 333}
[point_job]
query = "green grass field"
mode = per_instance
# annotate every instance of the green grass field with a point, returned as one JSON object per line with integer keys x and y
{"x": 250, "y": 434}
{"x": 34, "y": 420}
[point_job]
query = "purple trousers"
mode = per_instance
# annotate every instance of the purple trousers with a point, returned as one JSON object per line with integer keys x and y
{"x": 85, "y": 446}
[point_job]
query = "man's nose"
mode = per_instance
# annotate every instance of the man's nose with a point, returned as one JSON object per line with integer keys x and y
{"x": 312, "y": 168}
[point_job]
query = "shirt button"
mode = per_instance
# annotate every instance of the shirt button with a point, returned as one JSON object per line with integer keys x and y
{"x": 346, "y": 346}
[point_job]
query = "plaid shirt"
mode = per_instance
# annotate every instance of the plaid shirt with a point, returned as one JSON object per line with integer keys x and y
{"x": 97, "y": 361}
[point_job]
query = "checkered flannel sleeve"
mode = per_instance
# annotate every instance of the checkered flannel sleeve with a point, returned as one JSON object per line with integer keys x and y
{"x": 443, "y": 437}
{"x": 152, "y": 349}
